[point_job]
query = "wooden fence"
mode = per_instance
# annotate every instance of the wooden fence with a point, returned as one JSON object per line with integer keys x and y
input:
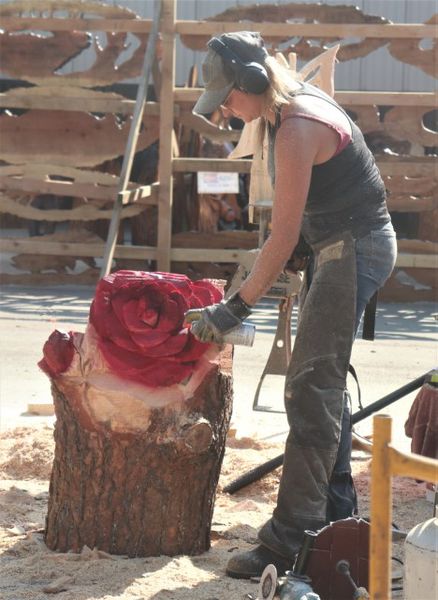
{"x": 387, "y": 462}
{"x": 61, "y": 132}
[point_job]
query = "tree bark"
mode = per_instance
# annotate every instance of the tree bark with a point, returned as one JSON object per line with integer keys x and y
{"x": 141, "y": 492}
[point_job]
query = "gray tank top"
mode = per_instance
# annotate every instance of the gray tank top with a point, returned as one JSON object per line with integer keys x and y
{"x": 346, "y": 193}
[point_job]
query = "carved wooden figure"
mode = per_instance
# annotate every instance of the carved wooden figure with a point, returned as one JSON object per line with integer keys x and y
{"x": 142, "y": 414}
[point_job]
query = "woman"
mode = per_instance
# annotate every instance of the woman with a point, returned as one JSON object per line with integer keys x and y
{"x": 327, "y": 187}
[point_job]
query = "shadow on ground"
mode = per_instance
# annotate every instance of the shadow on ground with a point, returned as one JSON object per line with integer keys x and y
{"x": 413, "y": 321}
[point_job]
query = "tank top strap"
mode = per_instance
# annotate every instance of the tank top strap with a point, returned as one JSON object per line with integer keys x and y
{"x": 308, "y": 89}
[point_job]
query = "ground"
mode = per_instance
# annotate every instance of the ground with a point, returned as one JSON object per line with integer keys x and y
{"x": 405, "y": 349}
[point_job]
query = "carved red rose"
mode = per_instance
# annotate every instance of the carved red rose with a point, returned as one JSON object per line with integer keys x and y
{"x": 138, "y": 318}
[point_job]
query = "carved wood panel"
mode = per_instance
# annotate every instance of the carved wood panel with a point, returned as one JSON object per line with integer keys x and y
{"x": 412, "y": 52}
{"x": 409, "y": 51}
{"x": 69, "y": 138}
{"x": 38, "y": 57}
{"x": 398, "y": 126}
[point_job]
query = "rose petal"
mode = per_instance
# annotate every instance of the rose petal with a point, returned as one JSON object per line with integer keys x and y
{"x": 150, "y": 338}
{"x": 171, "y": 347}
{"x": 182, "y": 302}
{"x": 164, "y": 372}
{"x": 171, "y": 317}
{"x": 121, "y": 359}
{"x": 181, "y": 282}
{"x": 148, "y": 316}
{"x": 58, "y": 353}
{"x": 137, "y": 318}
{"x": 193, "y": 350}
{"x": 108, "y": 326}
{"x": 126, "y": 278}
{"x": 118, "y": 300}
{"x": 207, "y": 292}
{"x": 102, "y": 316}
{"x": 151, "y": 372}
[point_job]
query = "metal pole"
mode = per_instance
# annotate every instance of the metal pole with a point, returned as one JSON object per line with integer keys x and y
{"x": 389, "y": 399}
{"x": 265, "y": 468}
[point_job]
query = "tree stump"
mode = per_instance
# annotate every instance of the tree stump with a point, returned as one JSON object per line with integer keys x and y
{"x": 134, "y": 478}
{"x": 142, "y": 411}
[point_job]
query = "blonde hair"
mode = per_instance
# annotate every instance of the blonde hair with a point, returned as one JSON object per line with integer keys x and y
{"x": 282, "y": 83}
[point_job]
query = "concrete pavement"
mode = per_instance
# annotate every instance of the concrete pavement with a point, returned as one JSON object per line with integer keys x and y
{"x": 405, "y": 348}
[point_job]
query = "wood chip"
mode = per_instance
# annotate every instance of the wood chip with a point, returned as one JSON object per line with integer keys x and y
{"x": 86, "y": 551}
{"x": 103, "y": 554}
{"x": 16, "y": 530}
{"x": 32, "y": 531}
{"x": 95, "y": 554}
{"x": 58, "y": 585}
{"x": 45, "y": 410}
{"x": 65, "y": 556}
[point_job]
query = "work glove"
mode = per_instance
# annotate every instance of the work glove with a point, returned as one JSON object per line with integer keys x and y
{"x": 211, "y": 323}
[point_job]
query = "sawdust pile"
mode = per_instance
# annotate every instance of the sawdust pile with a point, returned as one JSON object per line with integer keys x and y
{"x": 29, "y": 571}
{"x": 24, "y": 455}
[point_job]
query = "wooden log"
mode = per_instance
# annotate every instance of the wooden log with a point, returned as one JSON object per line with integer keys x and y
{"x": 142, "y": 412}
{"x": 144, "y": 488}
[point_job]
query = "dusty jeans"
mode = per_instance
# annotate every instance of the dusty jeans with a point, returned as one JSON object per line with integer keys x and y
{"x": 316, "y": 484}
{"x": 375, "y": 259}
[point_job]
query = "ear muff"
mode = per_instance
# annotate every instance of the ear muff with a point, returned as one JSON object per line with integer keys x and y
{"x": 250, "y": 77}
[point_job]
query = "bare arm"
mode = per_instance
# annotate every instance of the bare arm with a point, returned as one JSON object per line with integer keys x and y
{"x": 297, "y": 147}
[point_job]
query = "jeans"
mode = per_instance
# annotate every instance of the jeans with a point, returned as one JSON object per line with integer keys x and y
{"x": 375, "y": 259}
{"x": 316, "y": 486}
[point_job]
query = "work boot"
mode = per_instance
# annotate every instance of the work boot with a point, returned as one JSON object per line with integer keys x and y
{"x": 252, "y": 563}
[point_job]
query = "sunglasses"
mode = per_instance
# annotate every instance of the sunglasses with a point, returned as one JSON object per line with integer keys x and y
{"x": 224, "y": 104}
